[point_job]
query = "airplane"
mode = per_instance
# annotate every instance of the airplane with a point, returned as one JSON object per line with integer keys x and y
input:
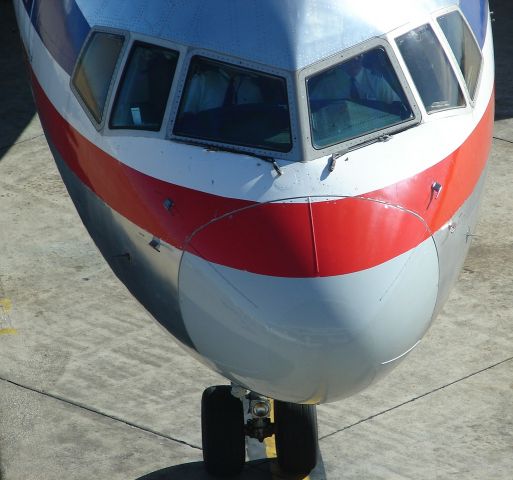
{"x": 290, "y": 188}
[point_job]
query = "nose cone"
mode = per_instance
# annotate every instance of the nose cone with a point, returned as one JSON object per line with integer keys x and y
{"x": 310, "y": 337}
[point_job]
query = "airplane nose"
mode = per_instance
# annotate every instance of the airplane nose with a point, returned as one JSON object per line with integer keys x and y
{"x": 309, "y": 300}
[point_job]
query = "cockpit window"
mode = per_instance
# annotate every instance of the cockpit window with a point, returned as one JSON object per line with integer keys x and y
{"x": 464, "y": 47}
{"x": 354, "y": 98}
{"x": 144, "y": 89}
{"x": 430, "y": 69}
{"x": 94, "y": 71}
{"x": 234, "y": 105}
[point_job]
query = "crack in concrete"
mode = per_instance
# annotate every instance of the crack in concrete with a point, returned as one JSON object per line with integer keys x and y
{"x": 99, "y": 412}
{"x": 371, "y": 417}
{"x": 196, "y": 447}
{"x": 503, "y": 140}
{"x": 5, "y": 147}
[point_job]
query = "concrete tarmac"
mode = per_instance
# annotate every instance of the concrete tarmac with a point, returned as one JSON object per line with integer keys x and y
{"x": 92, "y": 388}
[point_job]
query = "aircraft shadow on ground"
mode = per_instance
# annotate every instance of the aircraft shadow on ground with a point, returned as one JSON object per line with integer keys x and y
{"x": 503, "y": 38}
{"x": 16, "y": 103}
{"x": 254, "y": 470}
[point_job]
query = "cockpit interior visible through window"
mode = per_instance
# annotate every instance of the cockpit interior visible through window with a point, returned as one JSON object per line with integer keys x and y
{"x": 144, "y": 90}
{"x": 464, "y": 47}
{"x": 234, "y": 105}
{"x": 430, "y": 69}
{"x": 354, "y": 98}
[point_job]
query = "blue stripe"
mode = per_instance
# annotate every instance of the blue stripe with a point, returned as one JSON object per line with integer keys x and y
{"x": 62, "y": 28}
{"x": 476, "y": 12}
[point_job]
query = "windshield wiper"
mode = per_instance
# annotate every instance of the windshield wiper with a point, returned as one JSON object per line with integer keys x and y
{"x": 336, "y": 155}
{"x": 345, "y": 151}
{"x": 265, "y": 158}
{"x": 222, "y": 148}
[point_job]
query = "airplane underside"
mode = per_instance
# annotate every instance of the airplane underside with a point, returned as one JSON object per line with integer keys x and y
{"x": 367, "y": 321}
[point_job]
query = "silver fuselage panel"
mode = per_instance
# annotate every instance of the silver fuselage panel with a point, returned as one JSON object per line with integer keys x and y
{"x": 285, "y": 34}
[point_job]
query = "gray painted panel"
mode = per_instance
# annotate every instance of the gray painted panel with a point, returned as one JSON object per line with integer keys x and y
{"x": 149, "y": 274}
{"x": 453, "y": 242}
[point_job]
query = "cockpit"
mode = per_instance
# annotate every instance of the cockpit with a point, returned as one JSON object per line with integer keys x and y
{"x": 354, "y": 98}
{"x": 232, "y": 105}
{"x": 376, "y": 89}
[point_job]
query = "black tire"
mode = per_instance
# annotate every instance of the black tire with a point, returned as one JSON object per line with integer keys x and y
{"x": 222, "y": 428}
{"x": 296, "y": 437}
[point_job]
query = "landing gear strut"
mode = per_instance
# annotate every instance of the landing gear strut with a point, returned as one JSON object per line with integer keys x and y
{"x": 224, "y": 430}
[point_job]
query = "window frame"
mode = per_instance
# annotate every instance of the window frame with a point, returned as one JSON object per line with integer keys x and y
{"x": 133, "y": 44}
{"x": 303, "y": 75}
{"x": 445, "y": 42}
{"x": 134, "y": 38}
{"x": 181, "y": 78}
{"x": 433, "y": 23}
{"x": 115, "y": 74}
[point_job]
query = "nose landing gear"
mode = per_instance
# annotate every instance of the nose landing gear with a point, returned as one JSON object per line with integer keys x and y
{"x": 224, "y": 431}
{"x": 296, "y": 437}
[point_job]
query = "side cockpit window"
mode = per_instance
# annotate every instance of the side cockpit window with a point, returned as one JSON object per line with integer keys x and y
{"x": 430, "y": 69}
{"x": 144, "y": 90}
{"x": 94, "y": 72}
{"x": 464, "y": 48}
{"x": 234, "y": 105}
{"x": 355, "y": 98}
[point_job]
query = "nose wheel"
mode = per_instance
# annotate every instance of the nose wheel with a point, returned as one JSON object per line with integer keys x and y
{"x": 296, "y": 437}
{"x": 224, "y": 430}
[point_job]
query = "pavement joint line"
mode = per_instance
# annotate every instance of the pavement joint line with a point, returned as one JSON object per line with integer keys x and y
{"x": 99, "y": 412}
{"x": 388, "y": 410}
{"x": 503, "y": 139}
{"x": 5, "y": 147}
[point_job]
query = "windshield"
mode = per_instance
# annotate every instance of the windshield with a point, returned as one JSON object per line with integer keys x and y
{"x": 144, "y": 89}
{"x": 464, "y": 47}
{"x": 234, "y": 105}
{"x": 354, "y": 98}
{"x": 430, "y": 69}
{"x": 95, "y": 70}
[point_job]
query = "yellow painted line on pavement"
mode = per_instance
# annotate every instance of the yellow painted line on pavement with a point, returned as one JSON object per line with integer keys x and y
{"x": 270, "y": 449}
{"x": 5, "y": 308}
{"x": 8, "y": 331}
{"x": 6, "y": 304}
{"x": 270, "y": 444}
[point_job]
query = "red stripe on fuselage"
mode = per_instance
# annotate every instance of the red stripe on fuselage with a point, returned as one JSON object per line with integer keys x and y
{"x": 351, "y": 234}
